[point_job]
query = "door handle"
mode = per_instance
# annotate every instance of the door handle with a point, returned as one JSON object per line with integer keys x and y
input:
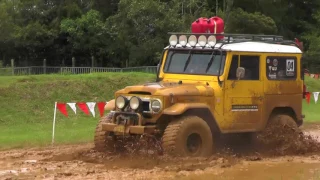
{"x": 260, "y": 98}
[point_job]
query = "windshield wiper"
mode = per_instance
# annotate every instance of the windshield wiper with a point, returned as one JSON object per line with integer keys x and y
{"x": 212, "y": 57}
{"x": 187, "y": 63}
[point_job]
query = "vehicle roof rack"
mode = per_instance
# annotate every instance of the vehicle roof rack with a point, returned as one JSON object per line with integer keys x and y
{"x": 237, "y": 38}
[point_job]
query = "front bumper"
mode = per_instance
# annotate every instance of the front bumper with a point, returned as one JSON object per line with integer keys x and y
{"x": 128, "y": 129}
{"x": 125, "y": 123}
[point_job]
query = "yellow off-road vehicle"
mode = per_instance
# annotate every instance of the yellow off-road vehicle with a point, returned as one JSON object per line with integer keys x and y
{"x": 205, "y": 87}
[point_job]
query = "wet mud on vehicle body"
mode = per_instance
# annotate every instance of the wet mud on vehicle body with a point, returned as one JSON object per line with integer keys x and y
{"x": 238, "y": 84}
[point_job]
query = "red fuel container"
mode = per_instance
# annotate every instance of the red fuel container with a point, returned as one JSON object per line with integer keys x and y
{"x": 216, "y": 26}
{"x": 200, "y": 25}
{"x": 212, "y": 25}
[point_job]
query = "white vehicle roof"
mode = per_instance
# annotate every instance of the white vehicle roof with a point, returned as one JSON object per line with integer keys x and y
{"x": 261, "y": 47}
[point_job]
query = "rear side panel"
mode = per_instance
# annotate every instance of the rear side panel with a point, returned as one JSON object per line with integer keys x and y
{"x": 283, "y": 85}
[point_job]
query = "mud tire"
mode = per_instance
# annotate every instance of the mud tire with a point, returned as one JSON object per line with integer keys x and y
{"x": 284, "y": 121}
{"x": 277, "y": 123}
{"x": 179, "y": 132}
{"x": 102, "y": 139}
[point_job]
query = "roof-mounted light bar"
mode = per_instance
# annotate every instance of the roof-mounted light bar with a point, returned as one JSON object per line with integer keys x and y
{"x": 192, "y": 40}
{"x": 183, "y": 40}
{"x": 209, "y": 40}
{"x": 212, "y": 41}
{"x": 173, "y": 40}
{"x": 202, "y": 40}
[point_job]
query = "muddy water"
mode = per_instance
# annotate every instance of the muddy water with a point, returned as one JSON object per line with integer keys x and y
{"x": 266, "y": 171}
{"x": 295, "y": 157}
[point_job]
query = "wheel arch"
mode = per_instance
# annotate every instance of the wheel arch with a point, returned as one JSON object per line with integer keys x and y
{"x": 206, "y": 115}
{"x": 287, "y": 110}
{"x": 202, "y": 112}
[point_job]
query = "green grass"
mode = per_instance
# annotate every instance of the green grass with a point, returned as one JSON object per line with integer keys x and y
{"x": 311, "y": 111}
{"x": 29, "y": 135}
{"x": 27, "y": 103}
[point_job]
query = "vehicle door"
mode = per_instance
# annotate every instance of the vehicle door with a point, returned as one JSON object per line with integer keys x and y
{"x": 243, "y": 107}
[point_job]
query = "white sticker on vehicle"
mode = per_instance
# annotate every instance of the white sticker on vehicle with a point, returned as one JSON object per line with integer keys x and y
{"x": 290, "y": 67}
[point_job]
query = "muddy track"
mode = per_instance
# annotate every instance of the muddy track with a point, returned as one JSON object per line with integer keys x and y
{"x": 294, "y": 157}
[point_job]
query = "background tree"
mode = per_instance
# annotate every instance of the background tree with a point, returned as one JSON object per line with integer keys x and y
{"x": 88, "y": 36}
{"x": 122, "y": 33}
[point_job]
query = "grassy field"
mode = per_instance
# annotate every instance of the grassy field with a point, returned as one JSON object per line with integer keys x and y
{"x": 312, "y": 110}
{"x": 27, "y": 105}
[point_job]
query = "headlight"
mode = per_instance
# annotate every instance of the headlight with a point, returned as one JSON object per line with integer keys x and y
{"x": 135, "y": 103}
{"x": 156, "y": 106}
{"x": 121, "y": 102}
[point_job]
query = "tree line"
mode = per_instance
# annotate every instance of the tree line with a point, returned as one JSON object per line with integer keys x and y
{"x": 119, "y": 33}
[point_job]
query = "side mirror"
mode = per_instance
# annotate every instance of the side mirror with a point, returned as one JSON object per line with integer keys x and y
{"x": 241, "y": 72}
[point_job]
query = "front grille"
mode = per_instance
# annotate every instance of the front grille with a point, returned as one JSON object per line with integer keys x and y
{"x": 145, "y": 106}
{"x": 126, "y": 119}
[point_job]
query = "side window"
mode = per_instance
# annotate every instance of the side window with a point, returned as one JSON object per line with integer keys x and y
{"x": 281, "y": 68}
{"x": 233, "y": 68}
{"x": 251, "y": 65}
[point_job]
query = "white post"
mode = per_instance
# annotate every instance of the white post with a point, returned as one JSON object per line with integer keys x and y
{"x": 54, "y": 122}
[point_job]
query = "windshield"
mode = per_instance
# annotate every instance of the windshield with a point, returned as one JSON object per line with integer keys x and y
{"x": 179, "y": 62}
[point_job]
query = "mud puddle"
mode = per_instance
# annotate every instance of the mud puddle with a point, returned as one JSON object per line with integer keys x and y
{"x": 265, "y": 170}
{"x": 291, "y": 155}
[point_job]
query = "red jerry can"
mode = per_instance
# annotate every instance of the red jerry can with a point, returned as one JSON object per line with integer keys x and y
{"x": 216, "y": 26}
{"x": 200, "y": 25}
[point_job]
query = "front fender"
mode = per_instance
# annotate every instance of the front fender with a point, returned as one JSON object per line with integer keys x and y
{"x": 180, "y": 108}
{"x": 110, "y": 106}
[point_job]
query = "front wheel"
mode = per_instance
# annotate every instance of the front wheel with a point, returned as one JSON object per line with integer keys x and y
{"x": 102, "y": 139}
{"x": 188, "y": 136}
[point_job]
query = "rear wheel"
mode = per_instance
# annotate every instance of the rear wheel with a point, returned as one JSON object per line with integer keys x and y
{"x": 278, "y": 126}
{"x": 282, "y": 121}
{"x": 188, "y": 136}
{"x": 103, "y": 141}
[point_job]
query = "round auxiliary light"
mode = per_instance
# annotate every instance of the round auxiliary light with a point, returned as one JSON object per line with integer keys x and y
{"x": 212, "y": 40}
{"x": 192, "y": 40}
{"x": 202, "y": 40}
{"x": 156, "y": 106}
{"x": 121, "y": 102}
{"x": 173, "y": 40}
{"x": 183, "y": 40}
{"x": 135, "y": 103}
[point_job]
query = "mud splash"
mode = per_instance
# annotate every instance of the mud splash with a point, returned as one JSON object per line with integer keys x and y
{"x": 285, "y": 140}
{"x": 146, "y": 152}
{"x": 143, "y": 160}
{"x": 279, "y": 152}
